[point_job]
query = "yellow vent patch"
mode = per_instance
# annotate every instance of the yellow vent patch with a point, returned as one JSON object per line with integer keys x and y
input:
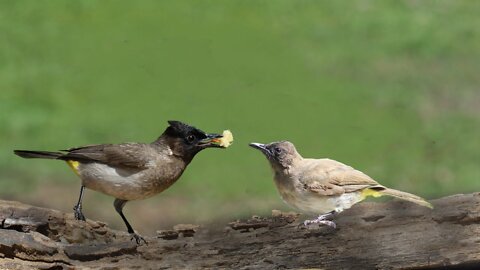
{"x": 370, "y": 192}
{"x": 73, "y": 165}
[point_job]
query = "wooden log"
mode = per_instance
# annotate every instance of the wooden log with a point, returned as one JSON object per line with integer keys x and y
{"x": 387, "y": 235}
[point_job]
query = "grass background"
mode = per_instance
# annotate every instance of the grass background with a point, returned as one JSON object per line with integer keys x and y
{"x": 389, "y": 87}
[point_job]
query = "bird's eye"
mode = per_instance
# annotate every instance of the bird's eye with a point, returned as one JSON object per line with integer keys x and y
{"x": 277, "y": 150}
{"x": 190, "y": 138}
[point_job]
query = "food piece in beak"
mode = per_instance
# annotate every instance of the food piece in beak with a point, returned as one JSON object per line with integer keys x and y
{"x": 226, "y": 139}
{"x": 210, "y": 140}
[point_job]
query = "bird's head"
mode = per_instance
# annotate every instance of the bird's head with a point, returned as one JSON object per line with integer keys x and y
{"x": 186, "y": 141}
{"x": 282, "y": 155}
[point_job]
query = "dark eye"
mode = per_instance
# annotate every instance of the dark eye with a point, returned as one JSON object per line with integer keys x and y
{"x": 190, "y": 138}
{"x": 277, "y": 150}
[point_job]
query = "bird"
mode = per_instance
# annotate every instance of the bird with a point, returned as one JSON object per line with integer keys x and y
{"x": 133, "y": 171}
{"x": 322, "y": 187}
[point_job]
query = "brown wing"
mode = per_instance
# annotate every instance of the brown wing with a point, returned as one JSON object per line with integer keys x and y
{"x": 135, "y": 155}
{"x": 330, "y": 177}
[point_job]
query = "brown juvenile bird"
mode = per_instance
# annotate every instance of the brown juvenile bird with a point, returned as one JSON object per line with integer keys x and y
{"x": 133, "y": 171}
{"x": 322, "y": 186}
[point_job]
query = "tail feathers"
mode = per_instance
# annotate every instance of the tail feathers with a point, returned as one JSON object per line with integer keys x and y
{"x": 406, "y": 196}
{"x": 37, "y": 154}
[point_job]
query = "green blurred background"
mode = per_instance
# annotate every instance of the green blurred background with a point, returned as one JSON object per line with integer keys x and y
{"x": 389, "y": 87}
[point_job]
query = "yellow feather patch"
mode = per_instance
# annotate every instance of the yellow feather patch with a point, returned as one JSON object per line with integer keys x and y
{"x": 73, "y": 165}
{"x": 370, "y": 192}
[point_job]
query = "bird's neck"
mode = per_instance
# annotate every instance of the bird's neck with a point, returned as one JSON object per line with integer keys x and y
{"x": 175, "y": 147}
{"x": 286, "y": 167}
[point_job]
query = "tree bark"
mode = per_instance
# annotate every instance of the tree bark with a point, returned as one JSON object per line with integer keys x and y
{"x": 389, "y": 235}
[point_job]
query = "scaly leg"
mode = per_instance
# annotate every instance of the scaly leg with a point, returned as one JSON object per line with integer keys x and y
{"x": 77, "y": 209}
{"x": 119, "y": 204}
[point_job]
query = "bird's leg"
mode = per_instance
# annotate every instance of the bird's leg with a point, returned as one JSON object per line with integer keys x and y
{"x": 119, "y": 204}
{"x": 322, "y": 219}
{"x": 77, "y": 209}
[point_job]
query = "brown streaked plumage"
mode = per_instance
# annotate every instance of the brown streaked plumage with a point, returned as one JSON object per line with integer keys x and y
{"x": 132, "y": 171}
{"x": 322, "y": 186}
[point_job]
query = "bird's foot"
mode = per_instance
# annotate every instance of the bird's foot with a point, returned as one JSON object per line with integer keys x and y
{"x": 77, "y": 211}
{"x": 321, "y": 220}
{"x": 139, "y": 239}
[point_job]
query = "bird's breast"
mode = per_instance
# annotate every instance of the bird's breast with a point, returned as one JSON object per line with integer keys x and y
{"x": 127, "y": 183}
{"x": 312, "y": 203}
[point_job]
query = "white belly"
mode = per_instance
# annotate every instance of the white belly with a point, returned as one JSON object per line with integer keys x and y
{"x": 313, "y": 204}
{"x": 119, "y": 183}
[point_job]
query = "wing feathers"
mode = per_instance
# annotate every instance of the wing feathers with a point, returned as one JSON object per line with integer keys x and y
{"x": 330, "y": 177}
{"x": 135, "y": 155}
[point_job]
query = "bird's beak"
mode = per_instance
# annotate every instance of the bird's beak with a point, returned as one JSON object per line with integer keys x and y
{"x": 261, "y": 147}
{"x": 212, "y": 140}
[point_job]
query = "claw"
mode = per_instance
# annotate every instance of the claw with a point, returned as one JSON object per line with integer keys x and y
{"x": 322, "y": 219}
{"x": 138, "y": 239}
{"x": 77, "y": 211}
{"x": 329, "y": 223}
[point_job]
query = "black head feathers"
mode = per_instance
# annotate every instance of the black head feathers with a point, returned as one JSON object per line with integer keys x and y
{"x": 179, "y": 129}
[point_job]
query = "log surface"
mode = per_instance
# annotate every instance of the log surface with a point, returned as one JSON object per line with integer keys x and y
{"x": 387, "y": 235}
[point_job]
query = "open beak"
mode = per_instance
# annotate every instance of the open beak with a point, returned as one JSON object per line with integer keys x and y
{"x": 212, "y": 140}
{"x": 262, "y": 147}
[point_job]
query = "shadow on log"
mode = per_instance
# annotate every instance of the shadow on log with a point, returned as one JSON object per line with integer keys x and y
{"x": 391, "y": 235}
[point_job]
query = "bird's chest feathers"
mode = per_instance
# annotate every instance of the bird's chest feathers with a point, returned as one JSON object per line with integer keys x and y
{"x": 286, "y": 187}
{"x": 293, "y": 193}
{"x": 166, "y": 172}
{"x": 131, "y": 183}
